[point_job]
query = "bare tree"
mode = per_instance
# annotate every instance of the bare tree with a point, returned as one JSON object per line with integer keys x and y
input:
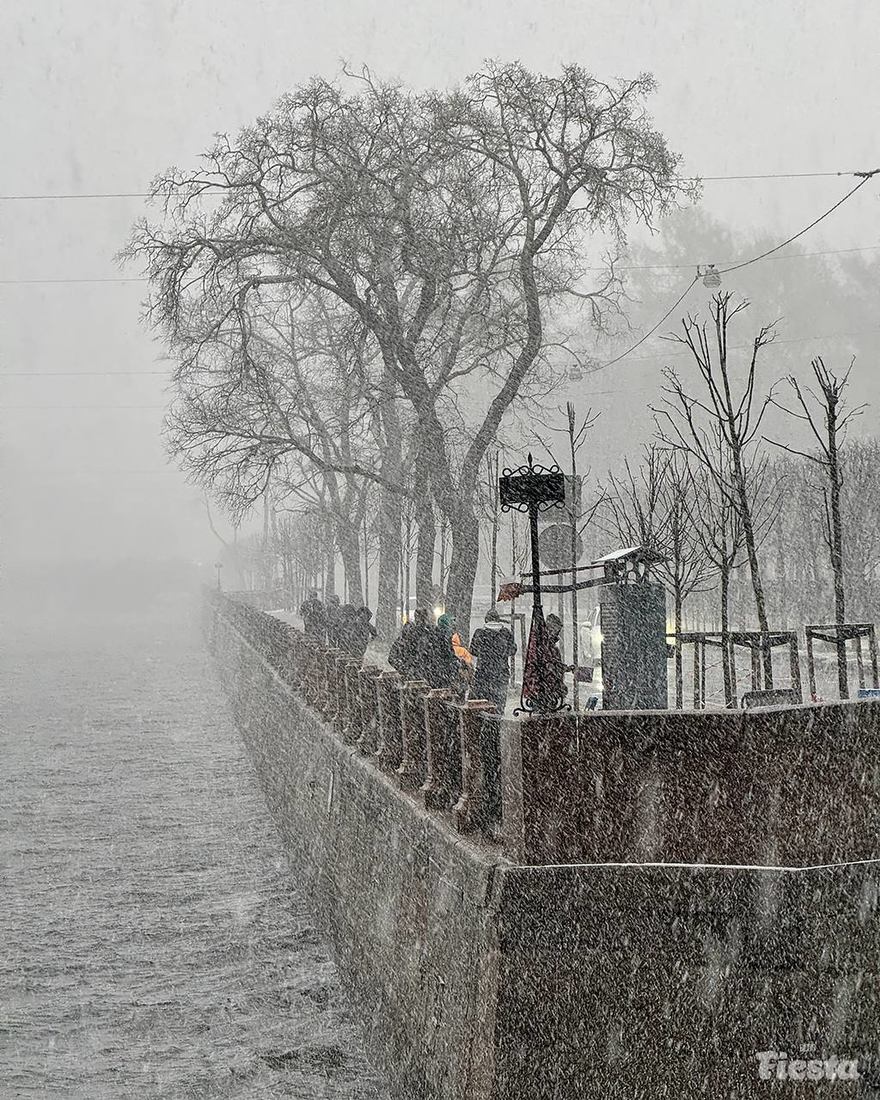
{"x": 691, "y": 424}
{"x": 447, "y": 224}
{"x": 827, "y": 418}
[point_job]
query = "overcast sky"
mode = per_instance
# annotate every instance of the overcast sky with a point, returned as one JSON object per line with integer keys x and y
{"x": 100, "y": 96}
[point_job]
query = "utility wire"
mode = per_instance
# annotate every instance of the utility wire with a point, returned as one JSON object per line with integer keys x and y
{"x": 623, "y": 267}
{"x": 79, "y": 373}
{"x": 864, "y": 178}
{"x": 220, "y": 191}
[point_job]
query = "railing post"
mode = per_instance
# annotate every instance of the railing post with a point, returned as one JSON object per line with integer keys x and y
{"x": 470, "y": 809}
{"x": 411, "y": 773}
{"x": 331, "y": 683}
{"x": 352, "y": 727}
{"x": 435, "y": 790}
{"x": 390, "y": 748}
{"x": 340, "y": 694}
{"x": 368, "y": 686}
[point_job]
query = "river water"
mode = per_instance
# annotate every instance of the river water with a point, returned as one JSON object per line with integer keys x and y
{"x": 153, "y": 941}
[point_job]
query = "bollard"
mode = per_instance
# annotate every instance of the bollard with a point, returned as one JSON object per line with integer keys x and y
{"x": 411, "y": 773}
{"x": 390, "y": 749}
{"x": 469, "y": 811}
{"x": 368, "y": 684}
{"x": 435, "y": 791}
{"x": 352, "y": 727}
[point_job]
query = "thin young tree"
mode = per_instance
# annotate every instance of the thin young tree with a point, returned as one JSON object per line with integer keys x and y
{"x": 826, "y": 415}
{"x": 723, "y": 408}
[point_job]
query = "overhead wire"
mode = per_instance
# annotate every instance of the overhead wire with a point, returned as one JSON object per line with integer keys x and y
{"x": 864, "y": 178}
{"x": 36, "y": 197}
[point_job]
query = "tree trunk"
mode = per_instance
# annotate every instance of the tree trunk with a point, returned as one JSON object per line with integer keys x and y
{"x": 754, "y": 568}
{"x": 727, "y": 671}
{"x": 835, "y": 543}
{"x": 679, "y": 675}
{"x": 389, "y": 566}
{"x": 427, "y": 536}
{"x": 463, "y": 568}
{"x": 350, "y": 551}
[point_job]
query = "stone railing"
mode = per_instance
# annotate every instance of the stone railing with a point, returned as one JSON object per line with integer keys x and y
{"x": 784, "y": 786}
{"x": 426, "y": 741}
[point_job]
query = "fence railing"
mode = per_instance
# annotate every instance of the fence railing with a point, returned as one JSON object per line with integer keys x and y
{"x": 426, "y": 740}
{"x": 786, "y": 786}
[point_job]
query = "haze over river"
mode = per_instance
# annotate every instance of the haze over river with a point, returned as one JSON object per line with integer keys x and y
{"x": 154, "y": 944}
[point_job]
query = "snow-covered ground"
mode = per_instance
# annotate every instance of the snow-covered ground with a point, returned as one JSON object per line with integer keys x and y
{"x": 153, "y": 942}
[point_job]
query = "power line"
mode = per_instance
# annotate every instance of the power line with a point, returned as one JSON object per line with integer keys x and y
{"x": 79, "y": 373}
{"x": 865, "y": 177}
{"x": 30, "y": 282}
{"x": 623, "y": 267}
{"x": 221, "y": 191}
{"x": 9, "y": 408}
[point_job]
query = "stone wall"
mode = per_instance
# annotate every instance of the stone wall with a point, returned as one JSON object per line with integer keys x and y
{"x": 478, "y": 978}
{"x": 792, "y": 786}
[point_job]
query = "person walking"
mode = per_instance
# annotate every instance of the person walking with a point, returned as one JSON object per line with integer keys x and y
{"x": 314, "y": 617}
{"x": 492, "y": 646}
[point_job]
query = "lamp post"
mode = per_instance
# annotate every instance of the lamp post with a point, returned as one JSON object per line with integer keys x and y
{"x": 532, "y": 489}
{"x": 218, "y": 566}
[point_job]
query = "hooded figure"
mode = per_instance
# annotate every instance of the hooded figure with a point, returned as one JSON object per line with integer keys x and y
{"x": 492, "y": 645}
{"x": 442, "y": 668}
{"x": 314, "y": 618}
{"x": 409, "y": 650}
{"x": 334, "y": 623}
{"x": 360, "y": 631}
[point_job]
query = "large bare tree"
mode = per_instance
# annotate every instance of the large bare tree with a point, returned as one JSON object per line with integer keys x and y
{"x": 447, "y": 224}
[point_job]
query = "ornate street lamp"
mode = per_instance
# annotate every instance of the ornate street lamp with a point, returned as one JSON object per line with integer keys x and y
{"x": 534, "y": 489}
{"x": 710, "y": 276}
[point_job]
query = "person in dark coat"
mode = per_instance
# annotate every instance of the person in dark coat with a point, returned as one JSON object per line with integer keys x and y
{"x": 408, "y": 650}
{"x": 492, "y": 645}
{"x": 314, "y": 617}
{"x": 359, "y": 632}
{"x": 334, "y": 623}
{"x": 442, "y": 667}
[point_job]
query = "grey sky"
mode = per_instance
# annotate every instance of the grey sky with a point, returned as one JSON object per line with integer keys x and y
{"x": 99, "y": 96}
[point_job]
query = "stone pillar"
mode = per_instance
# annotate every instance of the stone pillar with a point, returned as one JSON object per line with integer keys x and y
{"x": 390, "y": 749}
{"x": 411, "y": 772}
{"x": 352, "y": 728}
{"x": 368, "y": 686}
{"x": 469, "y": 810}
{"x": 435, "y": 790}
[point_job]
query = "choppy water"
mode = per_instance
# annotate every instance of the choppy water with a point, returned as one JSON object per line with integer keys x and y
{"x": 153, "y": 942}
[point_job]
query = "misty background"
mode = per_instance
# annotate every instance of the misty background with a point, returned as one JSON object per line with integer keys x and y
{"x": 99, "y": 98}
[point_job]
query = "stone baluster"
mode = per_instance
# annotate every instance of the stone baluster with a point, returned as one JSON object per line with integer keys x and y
{"x": 368, "y": 685}
{"x": 411, "y": 773}
{"x": 309, "y": 673}
{"x": 435, "y": 790}
{"x": 390, "y": 749}
{"x": 342, "y": 718}
{"x": 352, "y": 727}
{"x": 470, "y": 809}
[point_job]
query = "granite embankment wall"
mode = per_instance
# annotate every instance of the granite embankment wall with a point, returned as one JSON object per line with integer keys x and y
{"x": 479, "y": 973}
